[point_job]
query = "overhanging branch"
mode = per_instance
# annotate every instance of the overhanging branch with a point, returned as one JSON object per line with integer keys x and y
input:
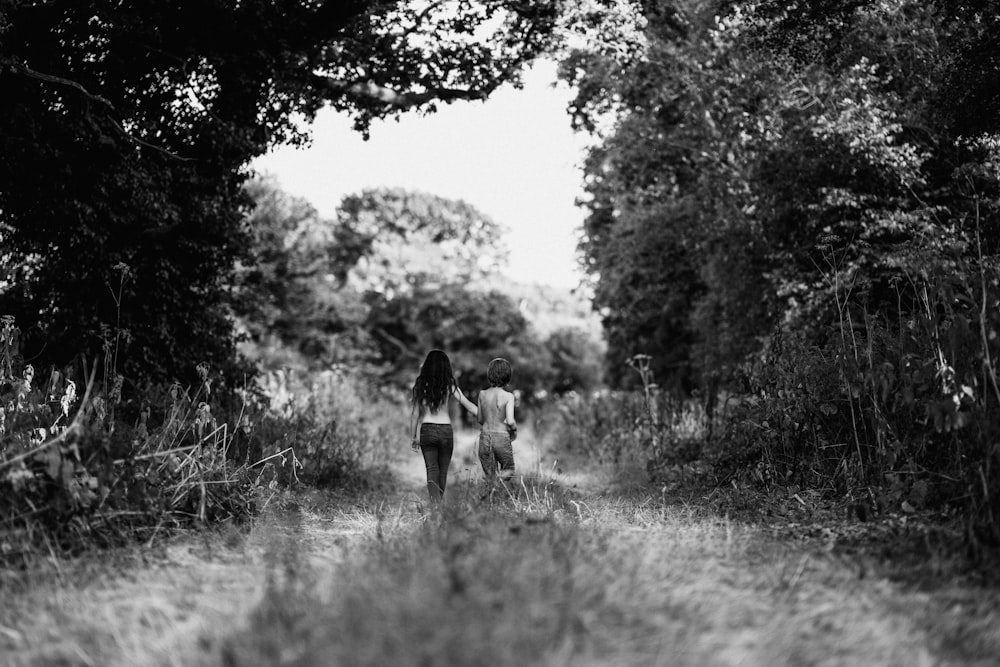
{"x": 371, "y": 91}
{"x": 23, "y": 70}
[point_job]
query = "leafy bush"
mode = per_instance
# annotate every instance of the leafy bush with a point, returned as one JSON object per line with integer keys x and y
{"x": 898, "y": 410}
{"x": 104, "y": 469}
{"x": 74, "y": 472}
{"x": 616, "y": 428}
{"x": 331, "y": 425}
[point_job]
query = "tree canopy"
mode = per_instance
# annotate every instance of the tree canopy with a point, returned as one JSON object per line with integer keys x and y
{"x": 755, "y": 156}
{"x": 126, "y": 128}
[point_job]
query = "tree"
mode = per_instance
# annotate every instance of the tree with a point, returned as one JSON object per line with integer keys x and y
{"x": 576, "y": 360}
{"x": 125, "y": 130}
{"x": 419, "y": 239}
{"x": 292, "y": 291}
{"x": 471, "y": 326}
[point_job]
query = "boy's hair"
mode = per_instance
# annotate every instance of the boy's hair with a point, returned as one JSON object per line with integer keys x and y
{"x": 498, "y": 372}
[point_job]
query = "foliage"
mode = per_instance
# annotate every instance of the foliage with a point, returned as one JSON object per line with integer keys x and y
{"x": 125, "y": 131}
{"x": 334, "y": 425}
{"x": 471, "y": 326}
{"x": 292, "y": 292}
{"x": 576, "y": 360}
{"x": 828, "y": 212}
{"x": 396, "y": 274}
{"x": 420, "y": 240}
{"x": 76, "y": 472}
{"x": 114, "y": 466}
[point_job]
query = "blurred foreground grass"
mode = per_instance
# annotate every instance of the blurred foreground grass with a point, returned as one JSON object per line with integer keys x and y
{"x": 535, "y": 574}
{"x": 538, "y": 576}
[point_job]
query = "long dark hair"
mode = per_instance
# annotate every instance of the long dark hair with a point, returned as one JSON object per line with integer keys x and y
{"x": 435, "y": 383}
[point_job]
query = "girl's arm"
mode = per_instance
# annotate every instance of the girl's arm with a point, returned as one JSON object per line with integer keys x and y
{"x": 466, "y": 403}
{"x": 415, "y": 418}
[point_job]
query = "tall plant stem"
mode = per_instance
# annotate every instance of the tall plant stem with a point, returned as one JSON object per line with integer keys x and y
{"x": 987, "y": 357}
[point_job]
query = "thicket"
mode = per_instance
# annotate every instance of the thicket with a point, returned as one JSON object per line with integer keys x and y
{"x": 797, "y": 207}
{"x": 87, "y": 462}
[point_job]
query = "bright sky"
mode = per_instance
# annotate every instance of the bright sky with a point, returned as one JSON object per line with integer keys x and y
{"x": 513, "y": 157}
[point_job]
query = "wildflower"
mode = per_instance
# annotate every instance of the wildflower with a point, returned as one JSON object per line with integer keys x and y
{"x": 203, "y": 419}
{"x": 69, "y": 397}
{"x": 206, "y": 384}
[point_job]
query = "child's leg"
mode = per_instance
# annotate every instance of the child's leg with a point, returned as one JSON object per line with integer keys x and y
{"x": 432, "y": 455}
{"x": 437, "y": 443}
{"x": 486, "y": 455}
{"x": 503, "y": 451}
{"x": 445, "y": 452}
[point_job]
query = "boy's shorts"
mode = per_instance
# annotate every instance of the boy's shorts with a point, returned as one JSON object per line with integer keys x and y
{"x": 496, "y": 452}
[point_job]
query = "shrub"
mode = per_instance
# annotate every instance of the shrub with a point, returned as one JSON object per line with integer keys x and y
{"x": 75, "y": 473}
{"x": 332, "y": 424}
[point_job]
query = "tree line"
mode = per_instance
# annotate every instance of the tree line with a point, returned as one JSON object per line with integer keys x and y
{"x": 393, "y": 274}
{"x": 797, "y": 204}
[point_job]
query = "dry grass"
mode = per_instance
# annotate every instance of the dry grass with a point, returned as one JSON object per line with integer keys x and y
{"x": 545, "y": 577}
{"x": 540, "y": 574}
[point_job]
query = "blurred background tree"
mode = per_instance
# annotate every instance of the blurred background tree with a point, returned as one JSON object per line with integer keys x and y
{"x": 398, "y": 273}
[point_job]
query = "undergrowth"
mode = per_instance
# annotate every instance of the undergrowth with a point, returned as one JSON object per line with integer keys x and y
{"x": 88, "y": 460}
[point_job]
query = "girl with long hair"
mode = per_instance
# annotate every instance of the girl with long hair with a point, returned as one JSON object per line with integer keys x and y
{"x": 430, "y": 423}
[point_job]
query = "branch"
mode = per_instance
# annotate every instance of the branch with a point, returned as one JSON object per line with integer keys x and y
{"x": 371, "y": 91}
{"x": 403, "y": 347}
{"x": 51, "y": 78}
{"x": 23, "y": 70}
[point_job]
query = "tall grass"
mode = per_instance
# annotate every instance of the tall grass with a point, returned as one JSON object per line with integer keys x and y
{"x": 333, "y": 425}
{"x": 634, "y": 438}
{"x": 898, "y": 409}
{"x": 85, "y": 461}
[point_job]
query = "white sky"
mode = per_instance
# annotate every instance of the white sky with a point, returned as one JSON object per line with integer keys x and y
{"x": 513, "y": 157}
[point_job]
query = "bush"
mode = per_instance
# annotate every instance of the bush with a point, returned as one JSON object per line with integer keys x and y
{"x": 75, "y": 473}
{"x": 104, "y": 469}
{"x": 331, "y": 425}
{"x": 899, "y": 411}
{"x": 619, "y": 427}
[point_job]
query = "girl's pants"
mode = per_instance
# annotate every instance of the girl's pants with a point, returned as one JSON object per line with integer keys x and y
{"x": 495, "y": 451}
{"x": 437, "y": 443}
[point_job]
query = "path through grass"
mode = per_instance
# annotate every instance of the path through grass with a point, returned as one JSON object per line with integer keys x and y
{"x": 542, "y": 575}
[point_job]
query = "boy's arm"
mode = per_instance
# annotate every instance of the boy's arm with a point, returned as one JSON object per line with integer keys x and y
{"x": 479, "y": 412}
{"x": 509, "y": 418}
{"x": 509, "y": 412}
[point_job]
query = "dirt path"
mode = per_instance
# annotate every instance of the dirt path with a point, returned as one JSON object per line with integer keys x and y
{"x": 544, "y": 576}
